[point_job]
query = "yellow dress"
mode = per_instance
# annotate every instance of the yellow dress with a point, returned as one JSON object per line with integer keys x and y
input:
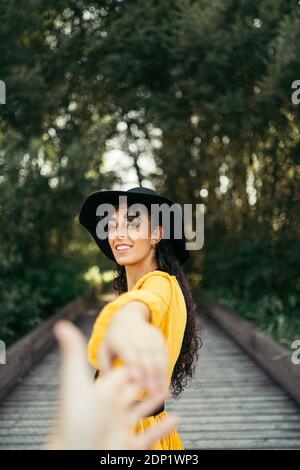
{"x": 163, "y": 295}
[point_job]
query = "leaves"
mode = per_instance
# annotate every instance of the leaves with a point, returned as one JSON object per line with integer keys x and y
{"x": 213, "y": 77}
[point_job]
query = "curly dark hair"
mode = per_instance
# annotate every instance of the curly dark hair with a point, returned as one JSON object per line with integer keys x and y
{"x": 187, "y": 360}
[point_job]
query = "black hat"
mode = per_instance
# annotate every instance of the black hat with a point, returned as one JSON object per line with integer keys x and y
{"x": 89, "y": 219}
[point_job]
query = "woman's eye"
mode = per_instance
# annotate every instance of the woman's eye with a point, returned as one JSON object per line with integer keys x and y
{"x": 134, "y": 224}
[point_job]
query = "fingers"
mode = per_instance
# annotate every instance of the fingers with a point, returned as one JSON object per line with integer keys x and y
{"x": 155, "y": 361}
{"x": 74, "y": 372}
{"x": 68, "y": 336}
{"x": 128, "y": 397}
{"x": 149, "y": 361}
{"x": 146, "y": 407}
{"x": 105, "y": 357}
{"x": 73, "y": 347}
{"x": 145, "y": 353}
{"x": 115, "y": 381}
{"x": 119, "y": 384}
{"x": 155, "y": 433}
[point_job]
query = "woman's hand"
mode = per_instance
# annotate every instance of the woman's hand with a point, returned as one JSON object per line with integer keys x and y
{"x": 100, "y": 415}
{"x": 141, "y": 345}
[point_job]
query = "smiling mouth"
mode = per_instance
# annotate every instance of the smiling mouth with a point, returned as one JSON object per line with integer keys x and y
{"x": 122, "y": 248}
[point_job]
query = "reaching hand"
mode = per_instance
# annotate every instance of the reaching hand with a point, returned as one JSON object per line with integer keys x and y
{"x": 100, "y": 415}
{"x": 139, "y": 344}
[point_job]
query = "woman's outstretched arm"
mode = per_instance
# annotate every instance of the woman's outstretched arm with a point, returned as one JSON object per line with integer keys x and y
{"x": 129, "y": 328}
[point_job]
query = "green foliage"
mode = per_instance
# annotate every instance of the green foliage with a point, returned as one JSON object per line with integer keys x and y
{"x": 27, "y": 299}
{"x": 206, "y": 83}
{"x": 273, "y": 316}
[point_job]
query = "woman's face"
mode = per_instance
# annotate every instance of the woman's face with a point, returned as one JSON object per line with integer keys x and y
{"x": 129, "y": 236}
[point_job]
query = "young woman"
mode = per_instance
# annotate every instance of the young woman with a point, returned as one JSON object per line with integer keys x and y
{"x": 150, "y": 326}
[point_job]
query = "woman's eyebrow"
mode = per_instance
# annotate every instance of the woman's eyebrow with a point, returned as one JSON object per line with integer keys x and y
{"x": 125, "y": 216}
{"x": 132, "y": 216}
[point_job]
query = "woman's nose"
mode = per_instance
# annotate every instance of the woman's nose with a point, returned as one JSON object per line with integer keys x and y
{"x": 122, "y": 231}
